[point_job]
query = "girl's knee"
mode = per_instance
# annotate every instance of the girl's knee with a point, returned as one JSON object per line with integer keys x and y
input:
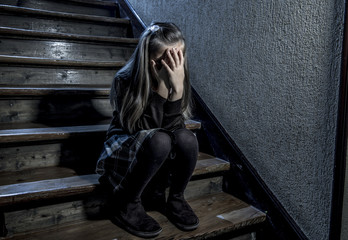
{"x": 186, "y": 139}
{"x": 159, "y": 144}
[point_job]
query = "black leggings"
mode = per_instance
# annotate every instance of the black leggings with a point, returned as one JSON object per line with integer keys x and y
{"x": 156, "y": 162}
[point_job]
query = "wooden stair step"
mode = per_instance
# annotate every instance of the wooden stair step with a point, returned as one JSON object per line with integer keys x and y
{"x": 55, "y": 75}
{"x": 55, "y": 110}
{"x": 74, "y": 185}
{"x": 102, "y": 3}
{"x": 50, "y": 133}
{"x": 64, "y": 132}
{"x": 219, "y": 214}
{"x": 65, "y": 15}
{"x": 35, "y": 174}
{"x": 64, "y": 49}
{"x": 52, "y": 21}
{"x": 67, "y": 36}
{"x": 59, "y": 62}
{"x": 91, "y": 7}
{"x": 16, "y": 91}
{"x": 206, "y": 165}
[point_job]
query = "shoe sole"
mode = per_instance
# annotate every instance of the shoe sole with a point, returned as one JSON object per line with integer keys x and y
{"x": 185, "y": 227}
{"x": 141, "y": 234}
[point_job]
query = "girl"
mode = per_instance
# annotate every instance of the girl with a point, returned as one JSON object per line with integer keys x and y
{"x": 147, "y": 141}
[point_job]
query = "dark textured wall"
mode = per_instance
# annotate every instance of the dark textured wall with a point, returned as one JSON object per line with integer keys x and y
{"x": 344, "y": 234}
{"x": 269, "y": 70}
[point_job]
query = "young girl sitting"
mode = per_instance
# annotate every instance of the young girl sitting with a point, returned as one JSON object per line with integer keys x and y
{"x": 147, "y": 142}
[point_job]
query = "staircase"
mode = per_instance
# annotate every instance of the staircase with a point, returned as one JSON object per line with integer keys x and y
{"x": 57, "y": 61}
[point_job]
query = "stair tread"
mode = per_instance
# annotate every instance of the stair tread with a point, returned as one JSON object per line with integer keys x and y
{"x": 218, "y": 213}
{"x": 52, "y": 182}
{"x": 35, "y": 133}
{"x": 53, "y": 90}
{"x": 96, "y": 2}
{"x": 48, "y": 133}
{"x": 59, "y": 62}
{"x": 69, "y": 36}
{"x": 35, "y": 174}
{"x": 76, "y": 16}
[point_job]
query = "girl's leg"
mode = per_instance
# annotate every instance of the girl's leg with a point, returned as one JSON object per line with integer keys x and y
{"x": 178, "y": 210}
{"x": 154, "y": 195}
{"x": 150, "y": 159}
{"x": 184, "y": 163}
{"x": 130, "y": 213}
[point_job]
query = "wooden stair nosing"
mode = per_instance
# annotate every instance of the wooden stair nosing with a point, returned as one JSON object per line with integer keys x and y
{"x": 83, "y": 17}
{"x": 67, "y": 36}
{"x": 59, "y": 133}
{"x": 83, "y": 184}
{"x": 50, "y": 133}
{"x": 206, "y": 165}
{"x": 17, "y": 91}
{"x": 46, "y": 189}
{"x": 96, "y": 2}
{"x": 219, "y": 213}
{"x": 59, "y": 62}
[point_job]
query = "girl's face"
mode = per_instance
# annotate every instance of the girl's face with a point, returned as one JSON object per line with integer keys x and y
{"x": 161, "y": 53}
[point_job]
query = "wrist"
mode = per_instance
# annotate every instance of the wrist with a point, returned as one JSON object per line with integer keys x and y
{"x": 175, "y": 94}
{"x": 162, "y": 90}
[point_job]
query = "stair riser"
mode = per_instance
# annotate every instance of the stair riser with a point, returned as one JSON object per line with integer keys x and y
{"x": 65, "y": 50}
{"x": 80, "y": 152}
{"x": 54, "y": 110}
{"x": 89, "y": 207}
{"x": 46, "y": 75}
{"x": 64, "y": 25}
{"x": 65, "y": 6}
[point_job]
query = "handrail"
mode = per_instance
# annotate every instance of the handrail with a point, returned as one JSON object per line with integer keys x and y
{"x": 127, "y": 11}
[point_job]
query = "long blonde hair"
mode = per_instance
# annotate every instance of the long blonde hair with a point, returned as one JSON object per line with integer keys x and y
{"x": 131, "y": 87}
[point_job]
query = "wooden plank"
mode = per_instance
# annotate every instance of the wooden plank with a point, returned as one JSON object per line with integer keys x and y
{"x": 86, "y": 207}
{"x": 211, "y": 165}
{"x": 40, "y": 167}
{"x": 192, "y": 124}
{"x": 59, "y": 62}
{"x": 35, "y": 174}
{"x": 36, "y": 75}
{"x": 63, "y": 110}
{"x": 83, "y": 17}
{"x": 63, "y": 186}
{"x": 65, "y": 49}
{"x": 58, "y": 133}
{"x": 91, "y": 91}
{"x": 108, "y": 9}
{"x": 106, "y": 3}
{"x": 44, "y": 134}
{"x": 67, "y": 36}
{"x": 46, "y": 189}
{"x": 206, "y": 207}
{"x": 50, "y": 24}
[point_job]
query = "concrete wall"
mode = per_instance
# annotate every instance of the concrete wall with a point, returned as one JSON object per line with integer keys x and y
{"x": 269, "y": 70}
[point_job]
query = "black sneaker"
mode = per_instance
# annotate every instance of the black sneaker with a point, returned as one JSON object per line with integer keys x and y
{"x": 179, "y": 212}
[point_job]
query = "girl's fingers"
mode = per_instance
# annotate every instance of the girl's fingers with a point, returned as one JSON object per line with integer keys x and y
{"x": 166, "y": 66}
{"x": 153, "y": 67}
{"x": 174, "y": 52}
{"x": 171, "y": 60}
{"x": 181, "y": 57}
